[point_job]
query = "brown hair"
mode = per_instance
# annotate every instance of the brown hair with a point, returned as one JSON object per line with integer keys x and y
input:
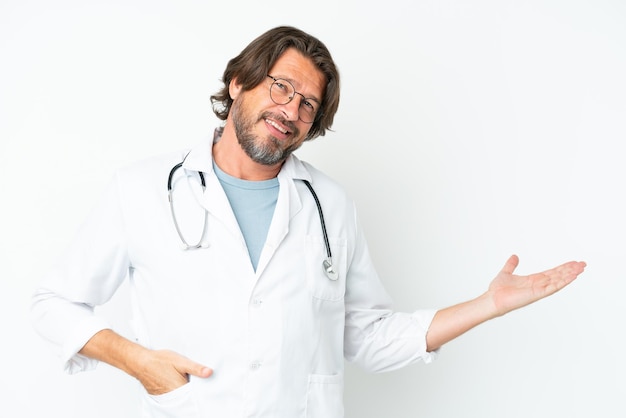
{"x": 252, "y": 65}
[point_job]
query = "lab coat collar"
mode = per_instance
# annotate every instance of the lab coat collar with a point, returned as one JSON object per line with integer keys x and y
{"x": 200, "y": 159}
{"x": 294, "y": 168}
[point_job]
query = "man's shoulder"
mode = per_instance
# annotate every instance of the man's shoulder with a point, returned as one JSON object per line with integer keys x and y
{"x": 325, "y": 184}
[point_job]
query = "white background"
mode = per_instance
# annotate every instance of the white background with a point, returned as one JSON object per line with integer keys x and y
{"x": 467, "y": 131}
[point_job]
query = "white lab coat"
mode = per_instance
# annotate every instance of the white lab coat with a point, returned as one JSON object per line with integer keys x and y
{"x": 276, "y": 337}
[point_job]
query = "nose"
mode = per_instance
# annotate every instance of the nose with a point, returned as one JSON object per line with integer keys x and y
{"x": 291, "y": 110}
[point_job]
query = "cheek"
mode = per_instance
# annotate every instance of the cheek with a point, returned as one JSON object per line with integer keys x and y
{"x": 298, "y": 143}
{"x": 304, "y": 130}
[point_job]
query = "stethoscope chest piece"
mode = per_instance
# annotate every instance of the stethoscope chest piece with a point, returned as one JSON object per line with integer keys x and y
{"x": 330, "y": 271}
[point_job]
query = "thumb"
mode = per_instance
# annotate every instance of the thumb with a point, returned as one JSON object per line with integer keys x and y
{"x": 196, "y": 369}
{"x": 202, "y": 371}
{"x": 511, "y": 264}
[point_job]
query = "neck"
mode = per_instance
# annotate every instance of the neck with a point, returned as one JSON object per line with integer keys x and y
{"x": 233, "y": 160}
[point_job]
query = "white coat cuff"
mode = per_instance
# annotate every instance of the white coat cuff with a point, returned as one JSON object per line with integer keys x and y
{"x": 424, "y": 317}
{"x": 74, "y": 362}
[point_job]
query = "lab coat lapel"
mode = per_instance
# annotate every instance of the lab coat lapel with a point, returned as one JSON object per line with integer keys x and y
{"x": 214, "y": 200}
{"x": 287, "y": 206}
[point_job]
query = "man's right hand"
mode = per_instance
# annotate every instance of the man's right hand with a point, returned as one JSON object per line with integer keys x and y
{"x": 159, "y": 371}
{"x": 162, "y": 371}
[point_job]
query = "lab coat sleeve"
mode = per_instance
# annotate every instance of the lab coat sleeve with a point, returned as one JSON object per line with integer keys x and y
{"x": 376, "y": 338}
{"x": 87, "y": 275}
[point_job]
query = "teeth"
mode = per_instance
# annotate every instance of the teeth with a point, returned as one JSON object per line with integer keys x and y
{"x": 275, "y": 125}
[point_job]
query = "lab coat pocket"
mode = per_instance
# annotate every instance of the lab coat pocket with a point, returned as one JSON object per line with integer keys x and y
{"x": 325, "y": 396}
{"x": 179, "y": 403}
{"x": 320, "y": 285}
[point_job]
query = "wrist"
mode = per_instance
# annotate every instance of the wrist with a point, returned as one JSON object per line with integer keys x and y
{"x": 487, "y": 306}
{"x": 111, "y": 348}
{"x": 134, "y": 359}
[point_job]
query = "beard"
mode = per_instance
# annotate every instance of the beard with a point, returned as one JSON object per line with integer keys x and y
{"x": 269, "y": 151}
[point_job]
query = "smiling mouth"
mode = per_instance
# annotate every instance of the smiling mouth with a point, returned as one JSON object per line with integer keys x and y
{"x": 276, "y": 125}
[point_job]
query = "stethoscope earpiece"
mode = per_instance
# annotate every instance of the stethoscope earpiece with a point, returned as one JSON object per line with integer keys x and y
{"x": 186, "y": 247}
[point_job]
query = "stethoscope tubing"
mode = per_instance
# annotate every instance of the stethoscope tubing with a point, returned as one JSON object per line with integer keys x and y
{"x": 327, "y": 264}
{"x": 186, "y": 245}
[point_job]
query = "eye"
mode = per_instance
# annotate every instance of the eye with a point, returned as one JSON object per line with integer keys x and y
{"x": 281, "y": 87}
{"x": 309, "y": 106}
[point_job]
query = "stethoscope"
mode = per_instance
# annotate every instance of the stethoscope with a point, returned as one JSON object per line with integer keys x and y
{"x": 327, "y": 264}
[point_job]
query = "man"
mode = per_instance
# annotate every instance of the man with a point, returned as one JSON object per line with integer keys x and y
{"x": 257, "y": 318}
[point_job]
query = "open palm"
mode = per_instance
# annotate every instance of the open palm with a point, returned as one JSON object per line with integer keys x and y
{"x": 511, "y": 291}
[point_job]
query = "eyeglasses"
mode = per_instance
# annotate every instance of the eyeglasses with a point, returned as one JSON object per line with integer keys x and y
{"x": 283, "y": 92}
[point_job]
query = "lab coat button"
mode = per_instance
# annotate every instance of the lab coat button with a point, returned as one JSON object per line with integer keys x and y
{"x": 257, "y": 302}
{"x": 255, "y": 366}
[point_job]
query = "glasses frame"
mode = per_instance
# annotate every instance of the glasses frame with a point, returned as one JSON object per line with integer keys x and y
{"x": 317, "y": 113}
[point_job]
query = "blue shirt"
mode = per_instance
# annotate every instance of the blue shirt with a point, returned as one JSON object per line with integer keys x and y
{"x": 253, "y": 204}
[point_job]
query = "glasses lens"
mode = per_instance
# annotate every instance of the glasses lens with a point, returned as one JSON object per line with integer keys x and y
{"x": 283, "y": 92}
{"x": 307, "y": 111}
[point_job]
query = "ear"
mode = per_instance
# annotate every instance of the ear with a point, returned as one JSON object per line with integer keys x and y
{"x": 234, "y": 88}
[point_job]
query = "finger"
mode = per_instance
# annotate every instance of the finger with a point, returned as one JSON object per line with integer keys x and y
{"x": 569, "y": 271}
{"x": 511, "y": 264}
{"x": 203, "y": 371}
{"x": 195, "y": 369}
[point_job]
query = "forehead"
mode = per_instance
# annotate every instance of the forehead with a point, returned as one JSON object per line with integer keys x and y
{"x": 301, "y": 72}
